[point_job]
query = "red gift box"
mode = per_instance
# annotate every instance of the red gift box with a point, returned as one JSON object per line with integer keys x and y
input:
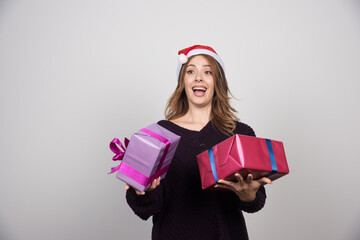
{"x": 244, "y": 154}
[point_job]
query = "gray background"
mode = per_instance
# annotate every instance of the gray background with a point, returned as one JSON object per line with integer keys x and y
{"x": 74, "y": 74}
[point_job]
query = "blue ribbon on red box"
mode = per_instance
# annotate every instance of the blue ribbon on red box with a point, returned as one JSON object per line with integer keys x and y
{"x": 212, "y": 163}
{"x": 271, "y": 154}
{"x": 272, "y": 158}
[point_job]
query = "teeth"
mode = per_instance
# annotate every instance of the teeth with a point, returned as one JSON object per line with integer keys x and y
{"x": 199, "y": 89}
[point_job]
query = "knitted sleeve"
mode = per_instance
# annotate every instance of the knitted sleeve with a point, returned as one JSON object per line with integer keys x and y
{"x": 256, "y": 205}
{"x": 146, "y": 205}
{"x": 259, "y": 201}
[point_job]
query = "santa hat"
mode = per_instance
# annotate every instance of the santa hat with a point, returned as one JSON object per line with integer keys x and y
{"x": 196, "y": 50}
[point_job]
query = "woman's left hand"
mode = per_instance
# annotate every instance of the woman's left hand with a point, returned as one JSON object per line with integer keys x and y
{"x": 245, "y": 189}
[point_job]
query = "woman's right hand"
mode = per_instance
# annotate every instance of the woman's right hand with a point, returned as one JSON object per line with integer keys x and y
{"x": 154, "y": 185}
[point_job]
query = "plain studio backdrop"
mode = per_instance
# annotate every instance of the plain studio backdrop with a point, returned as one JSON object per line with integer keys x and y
{"x": 75, "y": 74}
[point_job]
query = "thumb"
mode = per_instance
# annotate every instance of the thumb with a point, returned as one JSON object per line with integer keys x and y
{"x": 265, "y": 180}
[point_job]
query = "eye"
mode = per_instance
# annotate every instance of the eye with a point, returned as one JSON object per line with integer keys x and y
{"x": 190, "y": 71}
{"x": 208, "y": 72}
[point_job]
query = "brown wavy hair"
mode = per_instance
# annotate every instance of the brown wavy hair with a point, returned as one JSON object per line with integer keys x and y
{"x": 222, "y": 113}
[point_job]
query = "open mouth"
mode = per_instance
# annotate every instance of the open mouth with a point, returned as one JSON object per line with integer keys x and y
{"x": 199, "y": 91}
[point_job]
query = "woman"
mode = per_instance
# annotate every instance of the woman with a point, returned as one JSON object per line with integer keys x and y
{"x": 199, "y": 112}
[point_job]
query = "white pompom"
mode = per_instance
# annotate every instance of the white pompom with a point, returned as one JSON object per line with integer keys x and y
{"x": 183, "y": 58}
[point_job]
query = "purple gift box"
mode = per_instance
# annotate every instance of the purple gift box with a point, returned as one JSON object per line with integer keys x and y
{"x": 148, "y": 156}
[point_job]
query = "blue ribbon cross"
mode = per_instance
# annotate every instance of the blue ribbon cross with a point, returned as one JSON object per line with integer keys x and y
{"x": 212, "y": 163}
{"x": 272, "y": 158}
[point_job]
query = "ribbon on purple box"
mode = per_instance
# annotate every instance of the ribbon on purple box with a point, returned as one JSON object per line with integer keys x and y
{"x": 119, "y": 153}
{"x": 128, "y": 170}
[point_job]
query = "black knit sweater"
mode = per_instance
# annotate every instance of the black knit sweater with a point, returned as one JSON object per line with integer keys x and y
{"x": 181, "y": 209}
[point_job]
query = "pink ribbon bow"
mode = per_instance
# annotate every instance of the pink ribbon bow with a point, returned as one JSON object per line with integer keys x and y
{"x": 119, "y": 153}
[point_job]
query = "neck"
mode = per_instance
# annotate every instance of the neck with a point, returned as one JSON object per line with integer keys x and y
{"x": 198, "y": 114}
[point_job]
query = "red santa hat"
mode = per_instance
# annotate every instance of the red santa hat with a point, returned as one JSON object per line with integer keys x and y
{"x": 196, "y": 50}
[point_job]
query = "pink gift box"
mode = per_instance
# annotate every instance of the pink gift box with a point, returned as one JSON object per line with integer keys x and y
{"x": 244, "y": 154}
{"x": 148, "y": 156}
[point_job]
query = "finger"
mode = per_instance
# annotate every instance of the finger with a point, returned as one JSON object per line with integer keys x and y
{"x": 227, "y": 183}
{"x": 223, "y": 186}
{"x": 249, "y": 178}
{"x": 158, "y": 181}
{"x": 127, "y": 187}
{"x": 153, "y": 185}
{"x": 265, "y": 180}
{"x": 239, "y": 178}
{"x": 139, "y": 192}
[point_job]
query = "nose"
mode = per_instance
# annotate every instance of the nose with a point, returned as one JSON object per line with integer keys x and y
{"x": 198, "y": 77}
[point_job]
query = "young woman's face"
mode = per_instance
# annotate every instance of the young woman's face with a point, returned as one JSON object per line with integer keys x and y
{"x": 199, "y": 82}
